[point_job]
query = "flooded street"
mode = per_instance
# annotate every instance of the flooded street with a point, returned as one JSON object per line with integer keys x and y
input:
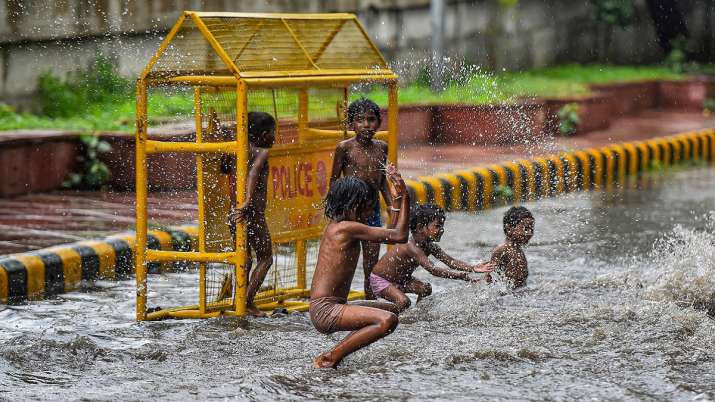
{"x": 615, "y": 309}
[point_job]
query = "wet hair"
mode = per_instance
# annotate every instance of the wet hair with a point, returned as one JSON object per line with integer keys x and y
{"x": 514, "y": 215}
{"x": 423, "y": 215}
{"x": 258, "y": 124}
{"x": 348, "y": 194}
{"x": 363, "y": 105}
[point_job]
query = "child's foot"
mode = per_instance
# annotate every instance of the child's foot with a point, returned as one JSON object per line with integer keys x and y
{"x": 324, "y": 361}
{"x": 254, "y": 311}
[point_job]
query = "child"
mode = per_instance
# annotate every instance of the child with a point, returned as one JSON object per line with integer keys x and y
{"x": 365, "y": 158}
{"x": 349, "y": 204}
{"x": 392, "y": 276}
{"x": 261, "y": 135}
{"x": 508, "y": 257}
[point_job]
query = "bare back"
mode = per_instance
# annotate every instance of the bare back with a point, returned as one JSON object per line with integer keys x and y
{"x": 337, "y": 260}
{"x": 258, "y": 202}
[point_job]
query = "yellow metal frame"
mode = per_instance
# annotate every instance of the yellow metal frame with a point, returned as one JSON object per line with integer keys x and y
{"x": 309, "y": 140}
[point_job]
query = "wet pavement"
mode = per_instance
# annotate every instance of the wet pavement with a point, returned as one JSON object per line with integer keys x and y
{"x": 34, "y": 221}
{"x": 615, "y": 309}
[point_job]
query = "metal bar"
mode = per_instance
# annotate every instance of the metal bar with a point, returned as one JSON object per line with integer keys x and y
{"x": 163, "y": 46}
{"x": 300, "y": 45}
{"x": 253, "y": 35}
{"x": 194, "y": 256}
{"x": 338, "y": 134}
{"x": 311, "y": 16}
{"x": 328, "y": 40}
{"x": 141, "y": 201}
{"x": 334, "y": 81}
{"x": 241, "y": 146}
{"x": 191, "y": 147}
{"x": 214, "y": 44}
{"x": 392, "y": 113}
{"x": 301, "y": 257}
{"x": 302, "y": 114}
{"x": 200, "y": 198}
{"x": 374, "y": 48}
{"x": 305, "y": 75}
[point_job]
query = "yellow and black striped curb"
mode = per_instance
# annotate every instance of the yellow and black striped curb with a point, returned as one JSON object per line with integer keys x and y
{"x": 607, "y": 167}
{"x": 60, "y": 269}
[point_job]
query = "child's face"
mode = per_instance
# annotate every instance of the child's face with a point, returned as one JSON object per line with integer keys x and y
{"x": 434, "y": 230}
{"x": 522, "y": 232}
{"x": 269, "y": 137}
{"x": 365, "y": 124}
{"x": 366, "y": 214}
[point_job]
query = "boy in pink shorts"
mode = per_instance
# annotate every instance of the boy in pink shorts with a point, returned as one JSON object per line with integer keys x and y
{"x": 392, "y": 276}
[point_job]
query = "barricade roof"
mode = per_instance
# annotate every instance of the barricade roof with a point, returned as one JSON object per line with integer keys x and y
{"x": 246, "y": 45}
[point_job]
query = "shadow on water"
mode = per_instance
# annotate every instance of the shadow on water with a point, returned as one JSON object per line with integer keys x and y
{"x": 617, "y": 306}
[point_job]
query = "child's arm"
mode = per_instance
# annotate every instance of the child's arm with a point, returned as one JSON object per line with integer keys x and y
{"x": 398, "y": 234}
{"x": 421, "y": 258}
{"x": 338, "y": 162}
{"x": 454, "y": 263}
{"x": 251, "y": 184}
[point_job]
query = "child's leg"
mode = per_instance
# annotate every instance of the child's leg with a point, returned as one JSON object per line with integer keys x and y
{"x": 368, "y": 325}
{"x": 391, "y": 307}
{"x": 370, "y": 255}
{"x": 395, "y": 295}
{"x": 260, "y": 240}
{"x": 421, "y": 289}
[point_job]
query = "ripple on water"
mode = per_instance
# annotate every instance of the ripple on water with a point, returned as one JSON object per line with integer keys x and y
{"x": 614, "y": 311}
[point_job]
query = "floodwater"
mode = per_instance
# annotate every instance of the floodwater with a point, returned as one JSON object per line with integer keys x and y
{"x": 616, "y": 309}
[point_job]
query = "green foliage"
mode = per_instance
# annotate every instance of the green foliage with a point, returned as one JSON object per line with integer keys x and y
{"x": 94, "y": 174}
{"x": 116, "y": 111}
{"x": 618, "y": 13}
{"x": 675, "y": 60}
{"x": 708, "y": 105}
{"x": 98, "y": 84}
{"x": 503, "y": 193}
{"x": 569, "y": 119}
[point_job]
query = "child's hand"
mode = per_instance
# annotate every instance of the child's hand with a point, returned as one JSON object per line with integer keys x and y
{"x": 398, "y": 185}
{"x": 484, "y": 267}
{"x": 238, "y": 215}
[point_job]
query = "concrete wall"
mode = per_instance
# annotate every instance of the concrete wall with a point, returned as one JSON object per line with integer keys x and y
{"x": 63, "y": 35}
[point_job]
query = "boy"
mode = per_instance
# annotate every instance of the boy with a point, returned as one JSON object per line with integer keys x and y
{"x": 365, "y": 158}
{"x": 261, "y": 135}
{"x": 349, "y": 204}
{"x": 392, "y": 276}
{"x": 508, "y": 257}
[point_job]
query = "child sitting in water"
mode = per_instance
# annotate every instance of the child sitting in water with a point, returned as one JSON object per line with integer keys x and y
{"x": 392, "y": 276}
{"x": 261, "y": 135}
{"x": 364, "y": 157}
{"x": 508, "y": 257}
{"x": 349, "y": 204}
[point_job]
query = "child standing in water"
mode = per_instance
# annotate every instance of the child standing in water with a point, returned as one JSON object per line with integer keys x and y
{"x": 348, "y": 205}
{"x": 392, "y": 276}
{"x": 261, "y": 135}
{"x": 364, "y": 157}
{"x": 508, "y": 257}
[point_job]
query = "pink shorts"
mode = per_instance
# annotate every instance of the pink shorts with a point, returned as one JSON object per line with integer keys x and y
{"x": 378, "y": 284}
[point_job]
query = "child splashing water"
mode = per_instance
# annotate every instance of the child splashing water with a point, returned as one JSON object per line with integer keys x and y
{"x": 509, "y": 257}
{"x": 348, "y": 206}
{"x": 364, "y": 157}
{"x": 392, "y": 276}
{"x": 261, "y": 135}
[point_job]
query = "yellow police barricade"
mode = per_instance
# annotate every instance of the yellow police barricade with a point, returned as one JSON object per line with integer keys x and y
{"x": 298, "y": 67}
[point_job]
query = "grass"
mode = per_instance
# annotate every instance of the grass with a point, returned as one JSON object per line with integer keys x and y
{"x": 479, "y": 88}
{"x": 562, "y": 81}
